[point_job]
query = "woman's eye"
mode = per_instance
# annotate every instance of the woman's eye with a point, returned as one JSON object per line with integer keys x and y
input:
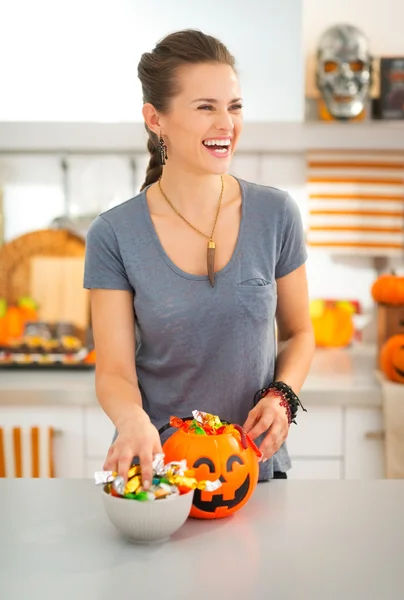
{"x": 210, "y": 107}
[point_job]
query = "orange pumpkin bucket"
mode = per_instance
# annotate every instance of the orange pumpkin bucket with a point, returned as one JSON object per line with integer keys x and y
{"x": 215, "y": 450}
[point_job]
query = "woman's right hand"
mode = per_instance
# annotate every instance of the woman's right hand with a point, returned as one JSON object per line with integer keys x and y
{"x": 136, "y": 437}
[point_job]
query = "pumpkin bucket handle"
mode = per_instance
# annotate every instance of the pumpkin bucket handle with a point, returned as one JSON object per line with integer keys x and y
{"x": 164, "y": 428}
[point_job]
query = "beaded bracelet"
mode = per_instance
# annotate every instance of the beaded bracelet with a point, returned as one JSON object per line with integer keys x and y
{"x": 290, "y": 400}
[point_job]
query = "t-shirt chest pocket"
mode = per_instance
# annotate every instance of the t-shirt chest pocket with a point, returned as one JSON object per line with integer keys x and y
{"x": 256, "y": 299}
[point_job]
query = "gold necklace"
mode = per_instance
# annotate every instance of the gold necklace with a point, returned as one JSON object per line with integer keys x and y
{"x": 211, "y": 243}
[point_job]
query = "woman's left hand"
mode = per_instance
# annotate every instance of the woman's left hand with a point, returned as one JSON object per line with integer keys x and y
{"x": 268, "y": 414}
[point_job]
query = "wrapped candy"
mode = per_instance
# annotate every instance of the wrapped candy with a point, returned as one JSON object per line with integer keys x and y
{"x": 202, "y": 424}
{"x": 206, "y": 424}
{"x": 171, "y": 479}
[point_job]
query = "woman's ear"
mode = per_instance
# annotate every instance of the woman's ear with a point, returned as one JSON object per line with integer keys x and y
{"x": 151, "y": 118}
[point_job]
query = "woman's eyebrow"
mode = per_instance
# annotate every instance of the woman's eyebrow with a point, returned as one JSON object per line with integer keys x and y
{"x": 214, "y": 101}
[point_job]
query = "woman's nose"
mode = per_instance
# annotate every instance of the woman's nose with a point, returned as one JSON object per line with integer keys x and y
{"x": 224, "y": 121}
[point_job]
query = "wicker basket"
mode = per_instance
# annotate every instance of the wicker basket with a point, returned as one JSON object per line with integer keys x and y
{"x": 15, "y": 258}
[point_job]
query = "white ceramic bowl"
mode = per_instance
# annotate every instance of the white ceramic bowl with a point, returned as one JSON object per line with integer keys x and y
{"x": 150, "y": 521}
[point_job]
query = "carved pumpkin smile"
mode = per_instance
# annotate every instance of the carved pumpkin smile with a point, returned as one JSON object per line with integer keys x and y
{"x": 392, "y": 358}
{"x": 217, "y": 499}
{"x": 399, "y": 372}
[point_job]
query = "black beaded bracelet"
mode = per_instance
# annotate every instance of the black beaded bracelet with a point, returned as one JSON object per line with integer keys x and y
{"x": 287, "y": 392}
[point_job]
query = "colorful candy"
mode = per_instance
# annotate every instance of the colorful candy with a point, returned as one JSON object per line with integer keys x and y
{"x": 171, "y": 479}
{"x": 207, "y": 424}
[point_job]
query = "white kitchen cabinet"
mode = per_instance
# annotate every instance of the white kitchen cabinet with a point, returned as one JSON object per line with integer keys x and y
{"x": 99, "y": 431}
{"x": 363, "y": 446}
{"x": 69, "y": 439}
{"x": 316, "y": 468}
{"x": 315, "y": 443}
{"x": 318, "y": 433}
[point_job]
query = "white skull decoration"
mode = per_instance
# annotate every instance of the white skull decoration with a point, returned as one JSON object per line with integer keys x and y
{"x": 344, "y": 70}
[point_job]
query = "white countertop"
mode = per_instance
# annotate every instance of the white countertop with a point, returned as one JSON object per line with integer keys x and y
{"x": 317, "y": 540}
{"x": 343, "y": 377}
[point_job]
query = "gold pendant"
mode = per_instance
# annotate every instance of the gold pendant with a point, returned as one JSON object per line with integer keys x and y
{"x": 211, "y": 262}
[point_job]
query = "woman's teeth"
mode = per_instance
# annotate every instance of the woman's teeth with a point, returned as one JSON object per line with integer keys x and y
{"x": 217, "y": 142}
{"x": 218, "y": 146}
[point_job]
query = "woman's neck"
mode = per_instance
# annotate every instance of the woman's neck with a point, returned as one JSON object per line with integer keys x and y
{"x": 190, "y": 193}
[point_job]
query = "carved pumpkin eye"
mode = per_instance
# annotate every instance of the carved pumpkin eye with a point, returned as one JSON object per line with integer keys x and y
{"x": 234, "y": 458}
{"x": 205, "y": 461}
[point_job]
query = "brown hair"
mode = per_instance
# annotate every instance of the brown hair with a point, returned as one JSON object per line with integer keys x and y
{"x": 157, "y": 71}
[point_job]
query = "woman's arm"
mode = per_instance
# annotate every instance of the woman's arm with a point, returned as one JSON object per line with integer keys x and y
{"x": 117, "y": 384}
{"x": 114, "y": 336}
{"x": 295, "y": 353}
{"x": 295, "y": 333}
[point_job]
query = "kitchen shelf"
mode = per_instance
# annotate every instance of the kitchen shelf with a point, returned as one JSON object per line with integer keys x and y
{"x": 130, "y": 138}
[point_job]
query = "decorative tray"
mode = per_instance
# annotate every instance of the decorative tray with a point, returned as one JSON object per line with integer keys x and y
{"x": 40, "y": 350}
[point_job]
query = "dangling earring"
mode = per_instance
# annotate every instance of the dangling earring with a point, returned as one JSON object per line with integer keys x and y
{"x": 162, "y": 150}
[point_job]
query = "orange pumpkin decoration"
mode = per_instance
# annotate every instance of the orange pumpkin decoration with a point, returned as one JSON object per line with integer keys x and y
{"x": 332, "y": 326}
{"x": 3, "y": 332}
{"x": 28, "y": 314}
{"x": 90, "y": 359}
{"x": 391, "y": 359}
{"x": 216, "y": 457}
{"x": 14, "y": 322}
{"x": 388, "y": 289}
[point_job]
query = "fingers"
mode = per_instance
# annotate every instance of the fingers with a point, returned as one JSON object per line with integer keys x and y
{"x": 146, "y": 462}
{"x": 124, "y": 463}
{"x": 252, "y": 417}
{"x": 273, "y": 440}
{"x": 123, "y": 450}
{"x": 119, "y": 460}
{"x": 263, "y": 424}
{"x": 111, "y": 461}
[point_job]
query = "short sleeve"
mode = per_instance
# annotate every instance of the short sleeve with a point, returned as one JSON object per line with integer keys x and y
{"x": 293, "y": 252}
{"x": 104, "y": 266}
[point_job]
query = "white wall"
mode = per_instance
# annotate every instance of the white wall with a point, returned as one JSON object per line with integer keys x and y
{"x": 381, "y": 21}
{"x": 77, "y": 60}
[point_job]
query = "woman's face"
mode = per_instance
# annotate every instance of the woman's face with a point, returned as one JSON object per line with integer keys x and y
{"x": 204, "y": 121}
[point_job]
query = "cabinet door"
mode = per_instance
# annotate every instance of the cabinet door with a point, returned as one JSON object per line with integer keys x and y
{"x": 316, "y": 468}
{"x": 364, "y": 453}
{"x": 318, "y": 433}
{"x": 99, "y": 432}
{"x": 69, "y": 439}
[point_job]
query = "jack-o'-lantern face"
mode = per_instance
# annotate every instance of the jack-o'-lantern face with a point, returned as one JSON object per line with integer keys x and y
{"x": 398, "y": 362}
{"x": 392, "y": 358}
{"x": 216, "y": 457}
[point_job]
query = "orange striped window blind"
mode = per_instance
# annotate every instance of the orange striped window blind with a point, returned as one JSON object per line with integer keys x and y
{"x": 356, "y": 202}
{"x": 26, "y": 452}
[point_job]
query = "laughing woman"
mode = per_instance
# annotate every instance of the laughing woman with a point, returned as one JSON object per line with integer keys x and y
{"x": 189, "y": 277}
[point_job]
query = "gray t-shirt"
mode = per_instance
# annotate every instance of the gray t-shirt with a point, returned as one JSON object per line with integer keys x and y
{"x": 199, "y": 347}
